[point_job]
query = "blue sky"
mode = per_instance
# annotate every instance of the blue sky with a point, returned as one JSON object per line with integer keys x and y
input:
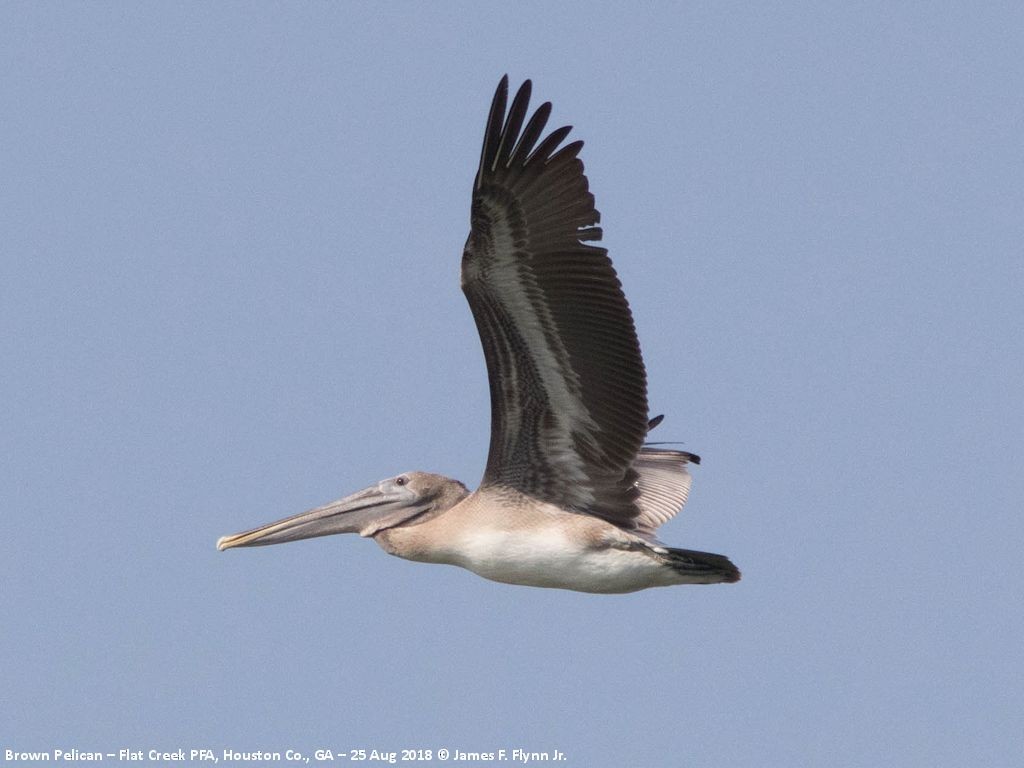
{"x": 229, "y": 292}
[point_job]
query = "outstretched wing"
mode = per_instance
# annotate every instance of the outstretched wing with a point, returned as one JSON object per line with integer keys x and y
{"x": 567, "y": 381}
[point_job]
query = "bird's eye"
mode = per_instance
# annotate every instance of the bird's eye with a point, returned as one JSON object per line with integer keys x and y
{"x": 401, "y": 480}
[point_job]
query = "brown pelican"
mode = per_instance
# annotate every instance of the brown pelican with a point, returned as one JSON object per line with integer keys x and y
{"x": 571, "y": 496}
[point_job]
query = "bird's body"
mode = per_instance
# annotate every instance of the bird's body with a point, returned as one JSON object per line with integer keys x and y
{"x": 571, "y": 497}
{"x": 506, "y": 537}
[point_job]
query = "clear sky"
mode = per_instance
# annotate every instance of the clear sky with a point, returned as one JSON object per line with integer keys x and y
{"x": 230, "y": 239}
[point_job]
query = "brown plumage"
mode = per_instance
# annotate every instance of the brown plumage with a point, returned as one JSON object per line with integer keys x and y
{"x": 568, "y": 387}
{"x": 571, "y": 497}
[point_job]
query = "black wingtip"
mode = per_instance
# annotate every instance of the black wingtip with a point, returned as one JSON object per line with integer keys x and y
{"x": 655, "y": 421}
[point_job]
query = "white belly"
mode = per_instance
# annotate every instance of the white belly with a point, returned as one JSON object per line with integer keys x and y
{"x": 551, "y": 557}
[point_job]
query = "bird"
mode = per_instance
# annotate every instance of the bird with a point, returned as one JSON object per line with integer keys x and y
{"x": 572, "y": 494}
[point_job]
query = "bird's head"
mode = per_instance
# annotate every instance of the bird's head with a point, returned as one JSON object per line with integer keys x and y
{"x": 407, "y": 499}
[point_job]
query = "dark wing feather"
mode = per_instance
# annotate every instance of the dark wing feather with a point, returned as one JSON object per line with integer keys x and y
{"x": 568, "y": 389}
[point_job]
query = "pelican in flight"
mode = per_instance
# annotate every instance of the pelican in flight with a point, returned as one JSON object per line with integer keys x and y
{"x": 571, "y": 497}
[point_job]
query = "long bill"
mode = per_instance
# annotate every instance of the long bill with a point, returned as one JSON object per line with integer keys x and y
{"x": 365, "y": 512}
